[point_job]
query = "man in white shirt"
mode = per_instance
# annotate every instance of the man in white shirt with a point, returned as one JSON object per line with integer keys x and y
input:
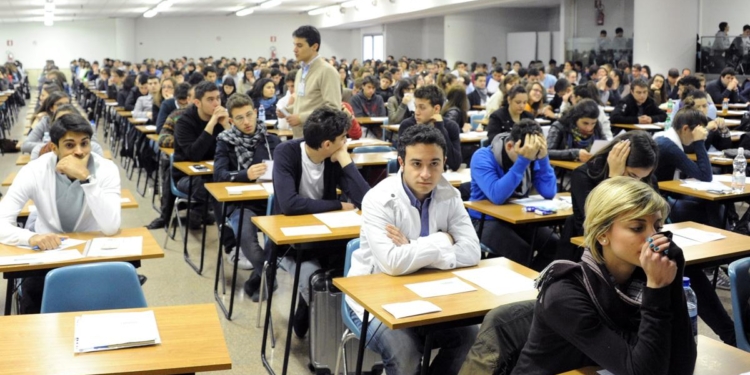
{"x": 73, "y": 189}
{"x": 144, "y": 105}
{"x": 410, "y": 221}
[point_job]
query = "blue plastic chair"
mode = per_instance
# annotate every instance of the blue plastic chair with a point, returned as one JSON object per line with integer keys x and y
{"x": 180, "y": 197}
{"x": 95, "y": 286}
{"x": 739, "y": 277}
{"x": 393, "y": 166}
{"x": 367, "y": 149}
{"x": 484, "y": 142}
{"x": 474, "y": 120}
{"x": 351, "y": 331}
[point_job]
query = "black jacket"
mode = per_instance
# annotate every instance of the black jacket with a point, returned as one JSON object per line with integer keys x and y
{"x": 718, "y": 92}
{"x": 191, "y": 142}
{"x": 475, "y": 99}
{"x": 452, "y": 134}
{"x": 133, "y": 96}
{"x": 168, "y": 106}
{"x": 501, "y": 122}
{"x": 627, "y": 111}
{"x": 122, "y": 97}
{"x": 559, "y": 141}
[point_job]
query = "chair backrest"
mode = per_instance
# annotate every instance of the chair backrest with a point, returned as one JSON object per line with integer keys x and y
{"x": 351, "y": 247}
{"x": 484, "y": 142}
{"x": 366, "y": 149}
{"x": 739, "y": 277}
{"x": 474, "y": 120}
{"x": 172, "y": 186}
{"x": 94, "y": 286}
{"x": 392, "y": 166}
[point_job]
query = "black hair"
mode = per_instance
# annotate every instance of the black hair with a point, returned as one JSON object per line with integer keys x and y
{"x": 723, "y": 26}
{"x": 64, "y": 108}
{"x": 640, "y": 82}
{"x": 456, "y": 98}
{"x": 533, "y": 72}
{"x": 420, "y": 134}
{"x": 325, "y": 124}
{"x": 688, "y": 97}
{"x": 515, "y": 90}
{"x": 203, "y": 88}
{"x": 431, "y": 93}
{"x": 196, "y": 78}
{"x": 691, "y": 81}
{"x": 746, "y": 28}
{"x": 480, "y": 74}
{"x": 585, "y": 108}
{"x": 728, "y": 71}
{"x": 142, "y": 79}
{"x": 618, "y": 30}
{"x": 523, "y": 72}
{"x": 275, "y": 72}
{"x": 208, "y": 69}
{"x": 310, "y": 34}
{"x": 53, "y": 98}
{"x": 561, "y": 85}
{"x": 128, "y": 84}
{"x": 105, "y": 71}
{"x": 674, "y": 73}
{"x": 71, "y": 122}
{"x": 257, "y": 93}
{"x": 644, "y": 153}
{"x": 525, "y": 127}
{"x": 232, "y": 64}
{"x": 372, "y": 80}
{"x": 291, "y": 75}
{"x": 498, "y": 69}
{"x": 587, "y": 91}
{"x": 689, "y": 117}
{"x": 238, "y": 100}
{"x": 182, "y": 91}
{"x": 603, "y": 32}
{"x": 402, "y": 85}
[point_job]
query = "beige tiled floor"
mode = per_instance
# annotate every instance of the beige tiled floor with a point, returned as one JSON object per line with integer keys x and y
{"x": 172, "y": 282}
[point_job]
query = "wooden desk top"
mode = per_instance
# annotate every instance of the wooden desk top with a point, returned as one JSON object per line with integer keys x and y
{"x": 364, "y": 142}
{"x": 514, "y": 213}
{"x": 191, "y": 335}
{"x": 184, "y": 167}
{"x": 715, "y": 160}
{"x": 124, "y": 193}
{"x": 271, "y": 226}
{"x": 153, "y": 136}
{"x": 371, "y": 120}
{"x": 391, "y": 128}
{"x": 282, "y": 132}
{"x": 565, "y": 164}
{"x": 455, "y": 306}
{"x": 734, "y": 245}
{"x": 151, "y": 250}
{"x": 125, "y": 114}
{"x": 9, "y": 179}
{"x": 714, "y": 358}
{"x": 141, "y": 121}
{"x": 473, "y": 137}
{"x": 479, "y": 107}
{"x": 674, "y": 186}
{"x": 167, "y": 151}
{"x": 219, "y": 191}
{"x": 119, "y": 109}
{"x": 373, "y": 158}
{"x": 635, "y": 127}
{"x": 730, "y": 113}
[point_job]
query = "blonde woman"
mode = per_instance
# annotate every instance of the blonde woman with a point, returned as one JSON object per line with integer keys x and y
{"x": 622, "y": 307}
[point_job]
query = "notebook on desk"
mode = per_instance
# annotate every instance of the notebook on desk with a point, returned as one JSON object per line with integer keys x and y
{"x": 97, "y": 332}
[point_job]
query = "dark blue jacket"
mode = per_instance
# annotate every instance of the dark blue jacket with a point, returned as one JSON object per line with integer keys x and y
{"x": 671, "y": 158}
{"x": 168, "y": 106}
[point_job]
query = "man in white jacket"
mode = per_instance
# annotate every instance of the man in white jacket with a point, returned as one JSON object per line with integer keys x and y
{"x": 73, "y": 189}
{"x": 411, "y": 221}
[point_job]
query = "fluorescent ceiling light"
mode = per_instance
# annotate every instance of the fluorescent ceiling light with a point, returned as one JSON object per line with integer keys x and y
{"x": 48, "y": 21}
{"x": 164, "y": 5}
{"x": 270, "y": 4}
{"x": 245, "y": 12}
{"x": 349, "y": 4}
{"x": 316, "y": 11}
{"x": 150, "y": 13}
{"x": 49, "y": 7}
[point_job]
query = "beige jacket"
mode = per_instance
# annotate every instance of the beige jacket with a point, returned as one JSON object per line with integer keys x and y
{"x": 322, "y": 88}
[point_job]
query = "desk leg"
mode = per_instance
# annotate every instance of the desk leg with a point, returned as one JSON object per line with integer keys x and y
{"x": 270, "y": 278}
{"x": 362, "y": 341}
{"x": 290, "y": 326}
{"x": 228, "y": 313}
{"x": 531, "y": 245}
{"x": 157, "y": 182}
{"x": 197, "y": 269}
{"x": 9, "y": 295}
{"x": 187, "y": 222}
{"x": 481, "y": 226}
{"x": 426, "y": 354}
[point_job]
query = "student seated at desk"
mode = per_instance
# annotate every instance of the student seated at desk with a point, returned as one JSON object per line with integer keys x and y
{"x": 537, "y": 104}
{"x": 589, "y": 91}
{"x": 479, "y": 96}
{"x": 719, "y": 136}
{"x": 725, "y": 87}
{"x": 571, "y": 137}
{"x": 366, "y": 103}
{"x": 264, "y": 95}
{"x": 622, "y": 307}
{"x": 509, "y": 168}
{"x": 428, "y": 101}
{"x": 240, "y": 152}
{"x": 511, "y": 112}
{"x": 73, "y": 190}
{"x": 42, "y": 120}
{"x": 122, "y": 94}
{"x": 400, "y": 106}
{"x": 496, "y": 100}
{"x": 410, "y": 221}
{"x": 141, "y": 88}
{"x": 637, "y": 108}
{"x": 144, "y": 105}
{"x": 42, "y": 148}
{"x": 306, "y": 173}
{"x": 115, "y": 83}
{"x": 195, "y": 140}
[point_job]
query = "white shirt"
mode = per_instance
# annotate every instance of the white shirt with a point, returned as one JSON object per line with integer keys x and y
{"x": 311, "y": 184}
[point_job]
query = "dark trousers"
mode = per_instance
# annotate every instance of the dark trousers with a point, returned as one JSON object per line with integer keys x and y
{"x": 698, "y": 210}
{"x": 514, "y": 241}
{"x": 167, "y": 199}
{"x": 249, "y": 242}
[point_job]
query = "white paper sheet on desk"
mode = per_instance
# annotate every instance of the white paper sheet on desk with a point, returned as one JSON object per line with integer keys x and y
{"x": 64, "y": 244}
{"x": 472, "y": 135}
{"x": 733, "y": 113}
{"x": 697, "y": 235}
{"x": 715, "y": 153}
{"x": 305, "y": 230}
{"x": 497, "y": 280}
{"x": 379, "y": 119}
{"x": 211, "y": 163}
{"x": 493, "y": 85}
{"x": 539, "y": 202}
{"x": 243, "y": 188}
{"x": 40, "y": 257}
{"x": 268, "y": 176}
{"x": 150, "y": 127}
{"x": 194, "y": 169}
{"x": 648, "y": 126}
{"x": 340, "y": 219}
{"x": 598, "y": 145}
{"x": 731, "y": 121}
{"x": 705, "y": 186}
{"x": 268, "y": 186}
{"x": 608, "y": 108}
{"x": 463, "y": 176}
{"x": 735, "y": 133}
{"x": 96, "y": 332}
{"x": 406, "y": 309}
{"x": 542, "y": 121}
{"x": 443, "y": 287}
{"x": 604, "y": 372}
{"x": 115, "y": 246}
{"x": 722, "y": 178}
{"x": 124, "y": 200}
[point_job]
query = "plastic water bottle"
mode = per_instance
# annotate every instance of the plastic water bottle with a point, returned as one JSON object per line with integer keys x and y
{"x": 725, "y": 106}
{"x": 692, "y": 305}
{"x": 670, "y": 108}
{"x": 261, "y": 113}
{"x": 738, "y": 176}
{"x": 46, "y": 137}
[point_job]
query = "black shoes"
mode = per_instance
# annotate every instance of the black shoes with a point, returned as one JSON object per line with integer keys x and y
{"x": 142, "y": 279}
{"x": 158, "y": 223}
{"x": 301, "y": 318}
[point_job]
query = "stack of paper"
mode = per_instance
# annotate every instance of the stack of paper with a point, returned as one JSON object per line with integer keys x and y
{"x": 538, "y": 201}
{"x": 497, "y": 280}
{"x": 649, "y": 126}
{"x": 384, "y": 120}
{"x": 232, "y": 190}
{"x": 473, "y": 135}
{"x": 463, "y": 175}
{"x": 40, "y": 257}
{"x": 722, "y": 178}
{"x": 736, "y": 133}
{"x": 732, "y": 122}
{"x": 268, "y": 186}
{"x": 706, "y": 186}
{"x": 444, "y": 287}
{"x": 598, "y": 145}
{"x": 150, "y": 127}
{"x": 305, "y": 230}
{"x": 114, "y": 246}
{"x": 691, "y": 236}
{"x": 99, "y": 332}
{"x": 340, "y": 219}
{"x": 406, "y": 309}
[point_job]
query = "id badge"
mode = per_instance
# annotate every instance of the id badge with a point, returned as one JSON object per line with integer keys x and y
{"x": 301, "y": 89}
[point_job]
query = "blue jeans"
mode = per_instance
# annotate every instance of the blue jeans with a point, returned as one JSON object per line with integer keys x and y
{"x": 249, "y": 242}
{"x": 401, "y": 349}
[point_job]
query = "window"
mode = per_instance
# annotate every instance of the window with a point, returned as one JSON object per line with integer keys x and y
{"x": 372, "y": 47}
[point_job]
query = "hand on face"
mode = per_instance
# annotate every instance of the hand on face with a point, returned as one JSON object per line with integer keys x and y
{"x": 74, "y": 167}
{"x": 660, "y": 270}
{"x": 617, "y": 158}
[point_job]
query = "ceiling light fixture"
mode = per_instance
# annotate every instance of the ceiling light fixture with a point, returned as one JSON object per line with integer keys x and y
{"x": 245, "y": 12}
{"x": 270, "y": 4}
{"x": 49, "y": 7}
{"x": 150, "y": 13}
{"x": 164, "y": 5}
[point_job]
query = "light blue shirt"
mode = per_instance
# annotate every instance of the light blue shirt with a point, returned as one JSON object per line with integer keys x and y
{"x": 422, "y": 207}
{"x": 549, "y": 81}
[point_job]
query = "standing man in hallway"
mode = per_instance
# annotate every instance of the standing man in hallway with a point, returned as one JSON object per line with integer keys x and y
{"x": 317, "y": 83}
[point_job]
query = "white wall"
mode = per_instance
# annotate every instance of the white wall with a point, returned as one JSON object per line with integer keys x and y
{"x": 124, "y": 39}
{"x": 339, "y": 43}
{"x": 33, "y": 43}
{"x": 404, "y": 38}
{"x": 675, "y": 46}
{"x": 164, "y": 38}
{"x": 617, "y": 13}
{"x": 734, "y": 12}
{"x": 433, "y": 37}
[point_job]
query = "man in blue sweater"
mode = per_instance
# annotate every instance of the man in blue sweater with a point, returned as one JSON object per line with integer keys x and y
{"x": 509, "y": 168}
{"x": 306, "y": 173}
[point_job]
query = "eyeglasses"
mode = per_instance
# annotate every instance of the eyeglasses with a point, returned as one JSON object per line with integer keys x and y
{"x": 247, "y": 117}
